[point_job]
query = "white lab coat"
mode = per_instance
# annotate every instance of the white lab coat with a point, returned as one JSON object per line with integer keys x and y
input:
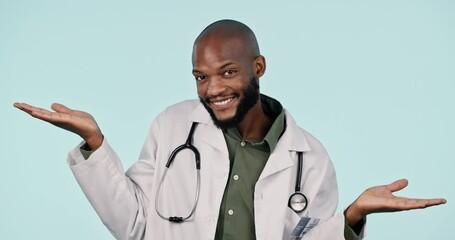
{"x": 125, "y": 202}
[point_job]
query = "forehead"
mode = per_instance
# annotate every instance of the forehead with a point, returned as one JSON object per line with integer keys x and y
{"x": 215, "y": 52}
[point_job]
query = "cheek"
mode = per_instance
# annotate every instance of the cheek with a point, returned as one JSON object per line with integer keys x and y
{"x": 240, "y": 84}
{"x": 201, "y": 89}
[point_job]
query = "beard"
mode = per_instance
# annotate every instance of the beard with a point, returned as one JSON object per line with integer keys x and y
{"x": 249, "y": 100}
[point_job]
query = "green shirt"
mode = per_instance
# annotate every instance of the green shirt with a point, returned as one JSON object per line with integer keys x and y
{"x": 247, "y": 160}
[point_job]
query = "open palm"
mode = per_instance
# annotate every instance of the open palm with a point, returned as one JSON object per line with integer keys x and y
{"x": 381, "y": 199}
{"x": 81, "y": 123}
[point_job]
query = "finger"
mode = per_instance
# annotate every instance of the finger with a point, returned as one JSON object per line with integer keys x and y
{"x": 437, "y": 201}
{"x": 28, "y": 108}
{"x": 22, "y": 106}
{"x": 402, "y": 203}
{"x": 60, "y": 108}
{"x": 430, "y": 202}
{"x": 42, "y": 114}
{"x": 52, "y": 117}
{"x": 397, "y": 185}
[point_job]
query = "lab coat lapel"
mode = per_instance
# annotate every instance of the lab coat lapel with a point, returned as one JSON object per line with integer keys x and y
{"x": 211, "y": 134}
{"x": 290, "y": 142}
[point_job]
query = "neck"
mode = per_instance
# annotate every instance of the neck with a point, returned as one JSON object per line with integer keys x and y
{"x": 256, "y": 124}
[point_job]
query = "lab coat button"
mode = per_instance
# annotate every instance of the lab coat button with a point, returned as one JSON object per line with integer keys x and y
{"x": 210, "y": 220}
{"x": 242, "y": 143}
{"x": 236, "y": 177}
{"x": 231, "y": 212}
{"x": 257, "y": 196}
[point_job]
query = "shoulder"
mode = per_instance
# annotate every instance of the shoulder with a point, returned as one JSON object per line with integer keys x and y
{"x": 313, "y": 142}
{"x": 183, "y": 106}
{"x": 174, "y": 121}
{"x": 179, "y": 111}
{"x": 181, "y": 115}
{"x": 317, "y": 162}
{"x": 301, "y": 140}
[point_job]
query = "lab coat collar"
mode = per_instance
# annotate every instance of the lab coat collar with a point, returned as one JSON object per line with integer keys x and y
{"x": 200, "y": 115}
{"x": 293, "y": 137}
{"x": 293, "y": 140}
{"x": 212, "y": 136}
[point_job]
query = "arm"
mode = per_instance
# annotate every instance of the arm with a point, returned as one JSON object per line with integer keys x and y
{"x": 116, "y": 197}
{"x": 373, "y": 200}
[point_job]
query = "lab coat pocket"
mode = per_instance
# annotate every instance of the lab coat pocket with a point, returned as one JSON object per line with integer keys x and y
{"x": 291, "y": 221}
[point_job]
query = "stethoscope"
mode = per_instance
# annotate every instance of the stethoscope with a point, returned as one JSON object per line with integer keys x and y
{"x": 297, "y": 201}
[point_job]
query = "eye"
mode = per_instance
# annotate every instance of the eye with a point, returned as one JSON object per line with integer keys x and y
{"x": 200, "y": 78}
{"x": 229, "y": 72}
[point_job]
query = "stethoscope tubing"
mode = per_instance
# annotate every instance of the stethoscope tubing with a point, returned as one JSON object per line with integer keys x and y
{"x": 298, "y": 202}
{"x": 196, "y": 200}
{"x": 298, "y": 179}
{"x": 186, "y": 145}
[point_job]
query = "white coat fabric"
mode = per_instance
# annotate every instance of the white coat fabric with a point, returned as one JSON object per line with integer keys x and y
{"x": 125, "y": 202}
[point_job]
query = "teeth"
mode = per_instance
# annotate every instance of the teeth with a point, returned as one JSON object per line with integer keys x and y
{"x": 220, "y": 103}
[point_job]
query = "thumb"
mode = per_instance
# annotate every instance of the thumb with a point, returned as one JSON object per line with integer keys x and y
{"x": 397, "y": 185}
{"x": 60, "y": 108}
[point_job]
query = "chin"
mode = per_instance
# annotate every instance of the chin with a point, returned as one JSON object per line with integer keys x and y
{"x": 224, "y": 117}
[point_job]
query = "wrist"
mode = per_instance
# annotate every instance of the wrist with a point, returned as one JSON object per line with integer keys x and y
{"x": 353, "y": 215}
{"x": 95, "y": 141}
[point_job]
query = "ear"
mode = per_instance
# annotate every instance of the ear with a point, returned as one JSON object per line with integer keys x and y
{"x": 259, "y": 66}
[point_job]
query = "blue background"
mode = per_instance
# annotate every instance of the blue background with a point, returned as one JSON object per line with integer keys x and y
{"x": 373, "y": 80}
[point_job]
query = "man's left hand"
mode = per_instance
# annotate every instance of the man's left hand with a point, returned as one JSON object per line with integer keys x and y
{"x": 381, "y": 199}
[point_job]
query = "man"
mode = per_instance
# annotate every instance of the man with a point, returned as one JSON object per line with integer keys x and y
{"x": 250, "y": 151}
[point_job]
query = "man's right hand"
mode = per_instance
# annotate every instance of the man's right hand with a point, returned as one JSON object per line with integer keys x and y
{"x": 81, "y": 123}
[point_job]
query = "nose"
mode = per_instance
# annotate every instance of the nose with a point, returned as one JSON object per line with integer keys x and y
{"x": 215, "y": 87}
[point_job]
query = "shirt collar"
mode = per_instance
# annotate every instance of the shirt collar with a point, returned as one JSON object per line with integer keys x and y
{"x": 274, "y": 110}
{"x": 293, "y": 137}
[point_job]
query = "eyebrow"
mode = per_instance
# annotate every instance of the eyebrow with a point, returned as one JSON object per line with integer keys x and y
{"x": 226, "y": 64}
{"x": 222, "y": 66}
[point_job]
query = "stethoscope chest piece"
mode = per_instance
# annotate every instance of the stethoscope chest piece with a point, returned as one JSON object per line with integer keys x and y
{"x": 298, "y": 202}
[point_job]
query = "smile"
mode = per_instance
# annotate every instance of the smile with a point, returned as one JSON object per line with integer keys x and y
{"x": 224, "y": 102}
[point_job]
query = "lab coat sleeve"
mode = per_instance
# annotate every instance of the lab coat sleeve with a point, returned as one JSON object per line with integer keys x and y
{"x": 349, "y": 233}
{"x": 333, "y": 227}
{"x": 325, "y": 201}
{"x": 118, "y": 198}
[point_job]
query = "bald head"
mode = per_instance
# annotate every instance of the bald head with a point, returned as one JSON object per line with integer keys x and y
{"x": 227, "y": 66}
{"x": 227, "y": 32}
